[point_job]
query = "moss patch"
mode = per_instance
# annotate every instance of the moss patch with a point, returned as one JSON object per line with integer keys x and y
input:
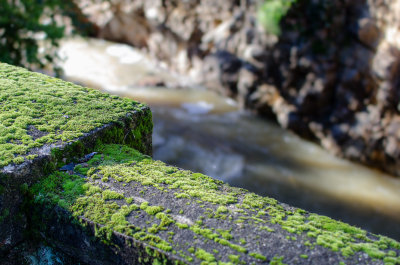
{"x": 36, "y": 109}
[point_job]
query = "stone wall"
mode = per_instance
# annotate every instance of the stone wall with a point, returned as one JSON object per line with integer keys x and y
{"x": 331, "y": 76}
{"x": 75, "y": 182}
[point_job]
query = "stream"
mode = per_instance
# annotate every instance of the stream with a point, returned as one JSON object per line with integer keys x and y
{"x": 198, "y": 130}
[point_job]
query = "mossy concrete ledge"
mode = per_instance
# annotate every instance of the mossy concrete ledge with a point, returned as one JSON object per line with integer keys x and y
{"x": 122, "y": 207}
{"x": 46, "y": 123}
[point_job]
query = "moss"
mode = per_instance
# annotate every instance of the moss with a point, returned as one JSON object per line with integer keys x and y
{"x": 270, "y": 13}
{"x": 277, "y": 261}
{"x": 234, "y": 258}
{"x": 266, "y": 228}
{"x": 225, "y": 242}
{"x": 165, "y": 220}
{"x": 153, "y": 240}
{"x": 182, "y": 226}
{"x": 152, "y": 210}
{"x": 225, "y": 233}
{"x": 207, "y": 233}
{"x": 258, "y": 256}
{"x": 222, "y": 209}
{"x": 204, "y": 255}
{"x": 36, "y": 109}
{"x": 304, "y": 256}
{"x": 112, "y": 195}
{"x": 60, "y": 188}
{"x": 81, "y": 170}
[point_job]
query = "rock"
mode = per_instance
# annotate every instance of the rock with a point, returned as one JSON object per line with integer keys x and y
{"x": 368, "y": 32}
{"x": 128, "y": 28}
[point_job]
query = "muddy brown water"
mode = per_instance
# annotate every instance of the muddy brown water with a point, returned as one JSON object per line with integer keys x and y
{"x": 200, "y": 131}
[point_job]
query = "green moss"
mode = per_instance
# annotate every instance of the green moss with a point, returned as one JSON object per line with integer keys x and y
{"x": 258, "y": 256}
{"x": 277, "y": 261}
{"x": 234, "y": 258}
{"x": 153, "y": 240}
{"x": 225, "y": 242}
{"x": 207, "y": 233}
{"x": 165, "y": 220}
{"x": 266, "y": 228}
{"x": 222, "y": 209}
{"x": 304, "y": 256}
{"x": 152, "y": 210}
{"x": 112, "y": 195}
{"x": 81, "y": 170}
{"x": 36, "y": 109}
{"x": 59, "y": 188}
{"x": 182, "y": 226}
{"x": 204, "y": 255}
{"x": 270, "y": 13}
{"x": 225, "y": 233}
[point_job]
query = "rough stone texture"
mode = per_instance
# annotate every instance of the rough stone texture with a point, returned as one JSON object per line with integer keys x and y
{"x": 133, "y": 210}
{"x": 331, "y": 76}
{"x": 132, "y": 127}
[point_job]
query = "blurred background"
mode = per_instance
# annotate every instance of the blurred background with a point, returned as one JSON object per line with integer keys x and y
{"x": 297, "y": 100}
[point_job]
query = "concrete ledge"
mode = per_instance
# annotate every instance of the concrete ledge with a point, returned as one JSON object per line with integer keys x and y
{"x": 46, "y": 123}
{"x": 124, "y": 208}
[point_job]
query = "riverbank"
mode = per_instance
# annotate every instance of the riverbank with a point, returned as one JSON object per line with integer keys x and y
{"x": 340, "y": 90}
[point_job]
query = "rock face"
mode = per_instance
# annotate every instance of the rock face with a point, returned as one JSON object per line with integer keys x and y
{"x": 331, "y": 76}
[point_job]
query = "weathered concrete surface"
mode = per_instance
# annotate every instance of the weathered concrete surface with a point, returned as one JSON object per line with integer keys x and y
{"x": 46, "y": 123}
{"x": 121, "y": 207}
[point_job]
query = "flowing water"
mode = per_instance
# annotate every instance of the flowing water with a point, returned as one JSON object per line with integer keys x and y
{"x": 198, "y": 130}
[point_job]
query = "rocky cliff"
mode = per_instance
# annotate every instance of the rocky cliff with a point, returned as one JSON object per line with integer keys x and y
{"x": 332, "y": 75}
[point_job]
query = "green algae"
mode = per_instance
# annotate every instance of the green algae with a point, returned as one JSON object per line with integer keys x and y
{"x": 36, "y": 109}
